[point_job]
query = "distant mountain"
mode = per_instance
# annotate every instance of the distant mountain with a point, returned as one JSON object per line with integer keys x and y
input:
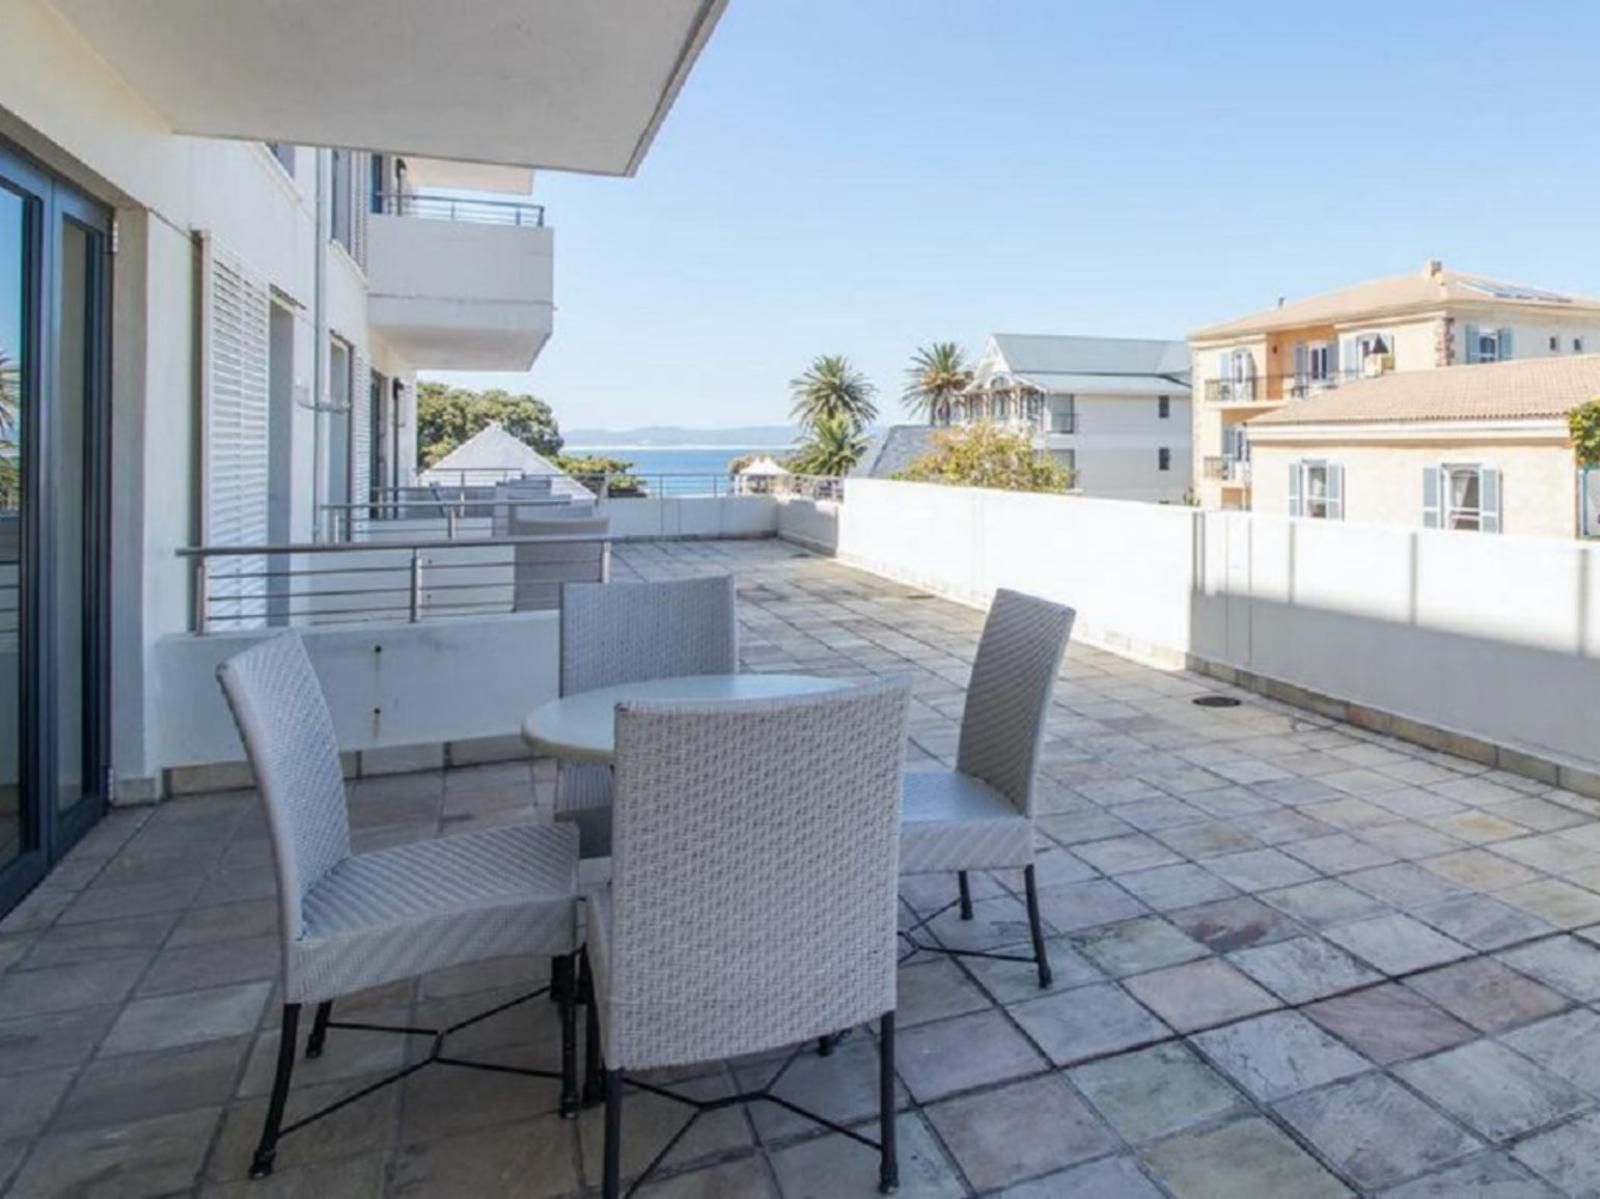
{"x": 671, "y": 435}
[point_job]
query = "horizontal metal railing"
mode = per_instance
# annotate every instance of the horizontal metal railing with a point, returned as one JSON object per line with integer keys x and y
{"x": 238, "y": 587}
{"x": 1271, "y": 388}
{"x": 463, "y": 505}
{"x": 451, "y": 208}
{"x": 1227, "y": 469}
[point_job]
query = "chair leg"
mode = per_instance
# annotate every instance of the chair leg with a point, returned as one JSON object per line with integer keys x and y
{"x": 888, "y": 1159}
{"x": 564, "y": 984}
{"x": 319, "y": 1029}
{"x": 966, "y": 896}
{"x": 1041, "y": 956}
{"x": 593, "y": 1091}
{"x": 611, "y": 1185}
{"x": 267, "y": 1149}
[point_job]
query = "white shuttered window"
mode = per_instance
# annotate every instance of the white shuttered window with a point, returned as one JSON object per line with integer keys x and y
{"x": 360, "y": 435}
{"x": 237, "y": 464}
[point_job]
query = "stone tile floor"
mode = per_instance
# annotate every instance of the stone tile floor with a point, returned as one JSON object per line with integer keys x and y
{"x": 1292, "y": 958}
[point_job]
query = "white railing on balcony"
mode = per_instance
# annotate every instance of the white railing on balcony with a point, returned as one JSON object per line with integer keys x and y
{"x": 452, "y": 208}
{"x": 464, "y": 504}
{"x": 249, "y": 587}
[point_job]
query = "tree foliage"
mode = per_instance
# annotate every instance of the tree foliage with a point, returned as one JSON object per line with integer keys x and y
{"x": 448, "y": 416}
{"x": 1584, "y": 421}
{"x": 831, "y": 387}
{"x": 983, "y": 455}
{"x": 10, "y": 398}
{"x": 594, "y": 469}
{"x": 937, "y": 374}
{"x": 835, "y": 445}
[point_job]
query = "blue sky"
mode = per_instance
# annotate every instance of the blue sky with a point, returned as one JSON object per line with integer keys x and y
{"x": 862, "y": 176}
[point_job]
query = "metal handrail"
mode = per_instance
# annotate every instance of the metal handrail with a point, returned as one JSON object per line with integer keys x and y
{"x": 468, "y": 211}
{"x": 268, "y": 608}
{"x": 346, "y": 547}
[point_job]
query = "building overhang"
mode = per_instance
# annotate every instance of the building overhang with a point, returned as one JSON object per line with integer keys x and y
{"x": 1541, "y": 431}
{"x": 525, "y": 83}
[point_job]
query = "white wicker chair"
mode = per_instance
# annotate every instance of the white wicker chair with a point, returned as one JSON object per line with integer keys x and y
{"x": 629, "y": 633}
{"x": 353, "y": 921}
{"x": 980, "y": 815}
{"x": 753, "y": 895}
{"x": 539, "y": 569}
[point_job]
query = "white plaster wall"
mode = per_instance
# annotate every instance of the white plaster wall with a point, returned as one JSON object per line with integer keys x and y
{"x": 401, "y": 685}
{"x": 1494, "y": 637}
{"x": 812, "y": 523}
{"x": 1383, "y": 483}
{"x": 1116, "y": 443}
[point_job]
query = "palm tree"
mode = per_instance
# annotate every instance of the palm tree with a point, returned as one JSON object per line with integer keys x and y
{"x": 937, "y": 374}
{"x": 835, "y": 445}
{"x": 831, "y": 387}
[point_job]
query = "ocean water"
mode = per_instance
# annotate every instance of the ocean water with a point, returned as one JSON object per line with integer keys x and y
{"x": 698, "y": 468}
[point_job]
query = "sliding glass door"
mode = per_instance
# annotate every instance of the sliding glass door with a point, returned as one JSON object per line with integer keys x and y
{"x": 54, "y": 283}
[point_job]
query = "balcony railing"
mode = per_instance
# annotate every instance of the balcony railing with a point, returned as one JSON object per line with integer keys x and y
{"x": 1271, "y": 388}
{"x": 243, "y": 587}
{"x": 1228, "y": 470}
{"x": 448, "y": 208}
{"x": 468, "y": 506}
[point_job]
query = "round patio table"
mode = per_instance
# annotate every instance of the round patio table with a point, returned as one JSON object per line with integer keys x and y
{"x": 582, "y": 727}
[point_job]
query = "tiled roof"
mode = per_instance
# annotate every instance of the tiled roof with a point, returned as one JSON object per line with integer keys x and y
{"x": 1420, "y": 290}
{"x": 893, "y": 450}
{"x": 1529, "y": 388}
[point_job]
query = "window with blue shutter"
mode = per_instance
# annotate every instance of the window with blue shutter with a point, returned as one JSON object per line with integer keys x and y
{"x": 1489, "y": 500}
{"x": 1503, "y": 345}
{"x": 1432, "y": 497}
{"x": 1470, "y": 337}
{"x": 1335, "y": 503}
{"x": 1296, "y": 489}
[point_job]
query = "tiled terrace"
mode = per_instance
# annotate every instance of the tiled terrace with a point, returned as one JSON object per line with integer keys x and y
{"x": 1292, "y": 959}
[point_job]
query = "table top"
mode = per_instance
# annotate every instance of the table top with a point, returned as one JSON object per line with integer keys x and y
{"x": 582, "y": 727}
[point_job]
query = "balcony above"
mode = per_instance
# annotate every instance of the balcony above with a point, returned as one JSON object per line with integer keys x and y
{"x": 531, "y": 83}
{"x": 460, "y": 284}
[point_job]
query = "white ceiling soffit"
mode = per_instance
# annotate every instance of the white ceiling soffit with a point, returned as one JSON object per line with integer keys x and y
{"x": 578, "y": 85}
{"x": 468, "y": 176}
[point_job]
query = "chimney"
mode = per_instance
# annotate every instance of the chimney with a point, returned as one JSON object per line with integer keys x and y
{"x": 1432, "y": 268}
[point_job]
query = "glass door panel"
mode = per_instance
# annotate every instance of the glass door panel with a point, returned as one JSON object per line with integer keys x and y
{"x": 72, "y": 405}
{"x": 16, "y": 325}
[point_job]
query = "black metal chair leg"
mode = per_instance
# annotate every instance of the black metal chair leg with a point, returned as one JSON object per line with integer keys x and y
{"x": 611, "y": 1185}
{"x": 888, "y": 1159}
{"x": 319, "y": 1029}
{"x": 267, "y": 1149}
{"x": 966, "y": 896}
{"x": 1041, "y": 956}
{"x": 593, "y": 1091}
{"x": 564, "y": 982}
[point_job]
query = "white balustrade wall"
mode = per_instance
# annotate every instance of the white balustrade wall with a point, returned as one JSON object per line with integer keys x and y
{"x": 1491, "y": 638}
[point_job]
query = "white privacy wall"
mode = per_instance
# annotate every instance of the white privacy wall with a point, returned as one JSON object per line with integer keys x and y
{"x": 387, "y": 686}
{"x": 1495, "y": 637}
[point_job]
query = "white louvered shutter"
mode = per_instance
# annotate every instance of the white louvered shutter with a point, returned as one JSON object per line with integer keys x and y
{"x": 360, "y": 436}
{"x": 360, "y": 204}
{"x": 237, "y": 462}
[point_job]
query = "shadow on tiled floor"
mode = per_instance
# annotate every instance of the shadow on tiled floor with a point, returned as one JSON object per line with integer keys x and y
{"x": 1292, "y": 959}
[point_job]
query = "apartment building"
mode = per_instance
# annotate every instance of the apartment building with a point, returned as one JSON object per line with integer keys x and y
{"x": 1470, "y": 448}
{"x": 1113, "y": 410}
{"x": 1435, "y": 317}
{"x": 230, "y": 235}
